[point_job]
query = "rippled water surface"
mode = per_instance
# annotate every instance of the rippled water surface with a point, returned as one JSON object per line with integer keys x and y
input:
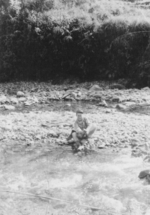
{"x": 45, "y": 181}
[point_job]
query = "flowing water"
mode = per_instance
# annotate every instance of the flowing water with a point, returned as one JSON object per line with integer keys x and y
{"x": 54, "y": 181}
{"x": 58, "y": 182}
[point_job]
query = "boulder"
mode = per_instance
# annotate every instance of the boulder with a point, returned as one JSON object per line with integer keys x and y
{"x": 95, "y": 87}
{"x": 144, "y": 173}
{"x": 9, "y": 107}
{"x": 20, "y": 94}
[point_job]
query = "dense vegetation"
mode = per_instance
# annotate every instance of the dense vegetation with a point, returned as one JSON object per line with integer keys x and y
{"x": 79, "y": 39}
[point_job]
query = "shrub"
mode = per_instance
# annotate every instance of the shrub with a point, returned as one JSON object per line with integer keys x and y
{"x": 42, "y": 40}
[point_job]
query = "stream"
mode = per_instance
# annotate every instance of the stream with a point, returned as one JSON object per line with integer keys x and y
{"x": 54, "y": 181}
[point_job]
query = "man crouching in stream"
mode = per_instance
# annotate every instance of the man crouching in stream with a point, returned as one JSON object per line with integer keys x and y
{"x": 82, "y": 130}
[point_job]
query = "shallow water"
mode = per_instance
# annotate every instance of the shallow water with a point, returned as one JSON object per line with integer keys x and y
{"x": 39, "y": 181}
{"x": 45, "y": 180}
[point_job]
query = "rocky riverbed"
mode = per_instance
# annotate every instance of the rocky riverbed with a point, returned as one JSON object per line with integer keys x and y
{"x": 40, "y": 174}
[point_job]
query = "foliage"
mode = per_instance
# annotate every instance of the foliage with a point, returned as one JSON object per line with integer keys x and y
{"x": 57, "y": 39}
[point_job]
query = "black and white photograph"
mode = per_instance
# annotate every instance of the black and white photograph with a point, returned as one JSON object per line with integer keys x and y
{"x": 74, "y": 107}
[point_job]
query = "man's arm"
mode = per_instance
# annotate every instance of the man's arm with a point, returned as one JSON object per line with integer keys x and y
{"x": 76, "y": 127}
{"x": 86, "y": 123}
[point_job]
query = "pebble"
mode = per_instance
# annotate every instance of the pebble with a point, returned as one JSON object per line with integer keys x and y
{"x": 9, "y": 107}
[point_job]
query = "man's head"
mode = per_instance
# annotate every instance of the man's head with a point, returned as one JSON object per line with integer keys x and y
{"x": 79, "y": 113}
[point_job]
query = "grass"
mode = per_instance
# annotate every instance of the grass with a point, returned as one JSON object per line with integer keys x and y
{"x": 92, "y": 11}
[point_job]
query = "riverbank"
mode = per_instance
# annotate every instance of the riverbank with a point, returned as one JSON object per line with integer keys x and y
{"x": 31, "y": 114}
{"x": 40, "y": 174}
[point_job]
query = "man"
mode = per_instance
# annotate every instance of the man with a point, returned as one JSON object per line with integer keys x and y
{"x": 82, "y": 130}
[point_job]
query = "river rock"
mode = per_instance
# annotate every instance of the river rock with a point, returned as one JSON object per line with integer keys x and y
{"x": 101, "y": 145}
{"x": 67, "y": 106}
{"x": 73, "y": 95}
{"x": 35, "y": 100}
{"x": 103, "y": 104}
{"x": 3, "y": 99}
{"x": 117, "y": 86}
{"x": 52, "y": 134}
{"x": 79, "y": 94}
{"x": 22, "y": 99}
{"x": 61, "y": 142}
{"x": 129, "y": 104}
{"x": 9, "y": 107}
{"x": 14, "y": 100}
{"x": 20, "y": 94}
{"x": 95, "y": 87}
{"x": 26, "y": 103}
{"x": 121, "y": 107}
{"x": 144, "y": 173}
{"x": 115, "y": 99}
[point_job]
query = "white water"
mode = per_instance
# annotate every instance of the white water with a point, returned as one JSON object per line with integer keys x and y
{"x": 59, "y": 182}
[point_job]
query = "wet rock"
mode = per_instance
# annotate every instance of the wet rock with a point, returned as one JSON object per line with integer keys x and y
{"x": 144, "y": 173}
{"x": 95, "y": 88}
{"x": 20, "y": 94}
{"x": 9, "y": 107}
